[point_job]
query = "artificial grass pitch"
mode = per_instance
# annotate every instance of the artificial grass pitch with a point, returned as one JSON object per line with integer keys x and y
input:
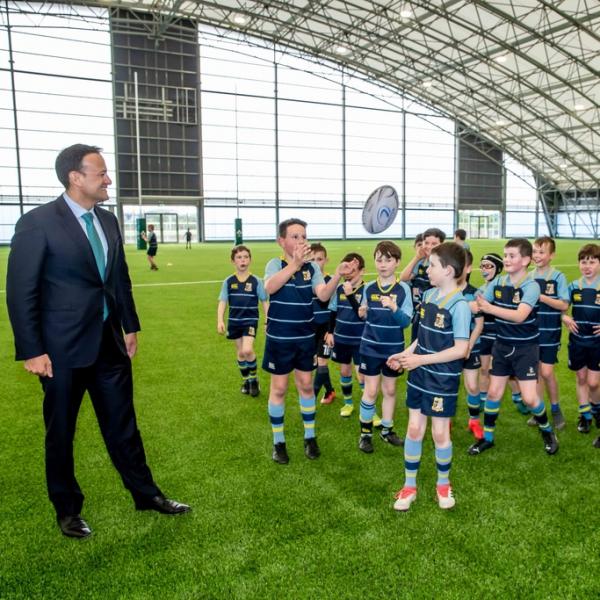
{"x": 524, "y": 524}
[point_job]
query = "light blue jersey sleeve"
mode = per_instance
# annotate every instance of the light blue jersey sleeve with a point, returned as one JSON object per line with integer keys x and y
{"x": 365, "y": 296}
{"x": 407, "y": 305}
{"x": 531, "y": 293}
{"x": 273, "y": 266}
{"x": 461, "y": 321}
{"x": 334, "y": 300}
{"x": 415, "y": 269}
{"x": 223, "y": 295}
{"x": 562, "y": 288}
{"x": 260, "y": 291}
{"x": 488, "y": 292}
{"x": 317, "y": 278}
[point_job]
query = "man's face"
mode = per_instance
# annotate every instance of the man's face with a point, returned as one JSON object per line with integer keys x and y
{"x": 92, "y": 180}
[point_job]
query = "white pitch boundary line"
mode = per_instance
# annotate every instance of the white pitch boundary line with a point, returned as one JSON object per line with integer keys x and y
{"x": 211, "y": 281}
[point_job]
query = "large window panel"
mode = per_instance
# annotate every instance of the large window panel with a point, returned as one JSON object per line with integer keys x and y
{"x": 321, "y": 223}
{"x": 521, "y": 191}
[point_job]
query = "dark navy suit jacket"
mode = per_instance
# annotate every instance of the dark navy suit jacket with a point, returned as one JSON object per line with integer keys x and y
{"x": 55, "y": 294}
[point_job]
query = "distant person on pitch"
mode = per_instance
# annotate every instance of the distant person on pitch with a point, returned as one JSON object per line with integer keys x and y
{"x": 150, "y": 239}
{"x": 188, "y": 240}
{"x": 69, "y": 301}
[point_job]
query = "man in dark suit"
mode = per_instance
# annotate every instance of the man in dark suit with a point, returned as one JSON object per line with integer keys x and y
{"x": 70, "y": 302}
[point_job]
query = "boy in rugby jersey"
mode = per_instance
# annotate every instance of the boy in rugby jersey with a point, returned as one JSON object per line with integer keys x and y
{"x": 346, "y": 329}
{"x": 387, "y": 308}
{"x": 584, "y": 332}
{"x": 435, "y": 361}
{"x": 490, "y": 266}
{"x": 554, "y": 300}
{"x": 472, "y": 361}
{"x": 415, "y": 272}
{"x": 290, "y": 338}
{"x": 513, "y": 299}
{"x": 242, "y": 291}
{"x": 321, "y": 324}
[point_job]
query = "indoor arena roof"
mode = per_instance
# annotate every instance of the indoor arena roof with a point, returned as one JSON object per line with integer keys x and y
{"x": 522, "y": 73}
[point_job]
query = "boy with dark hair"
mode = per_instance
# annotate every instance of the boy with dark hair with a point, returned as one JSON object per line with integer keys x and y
{"x": 415, "y": 271}
{"x": 242, "y": 291}
{"x": 290, "y": 340}
{"x": 554, "y": 300}
{"x": 434, "y": 361}
{"x": 460, "y": 235}
{"x": 346, "y": 328}
{"x": 584, "y": 329}
{"x": 387, "y": 309}
{"x": 321, "y": 325}
{"x": 472, "y": 362}
{"x": 512, "y": 299}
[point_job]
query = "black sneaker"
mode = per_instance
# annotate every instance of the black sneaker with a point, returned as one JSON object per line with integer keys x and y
{"x": 584, "y": 425}
{"x": 365, "y": 444}
{"x": 389, "y": 437}
{"x": 280, "y": 454}
{"x": 596, "y": 416}
{"x": 596, "y": 442}
{"x": 558, "y": 420}
{"x": 253, "y": 388}
{"x": 550, "y": 442}
{"x": 245, "y": 389}
{"x": 480, "y": 446}
{"x": 311, "y": 448}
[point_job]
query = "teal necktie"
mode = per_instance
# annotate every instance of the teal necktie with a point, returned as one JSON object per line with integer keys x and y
{"x": 97, "y": 249}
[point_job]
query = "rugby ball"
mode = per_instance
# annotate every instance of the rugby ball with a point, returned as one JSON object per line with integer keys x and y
{"x": 380, "y": 209}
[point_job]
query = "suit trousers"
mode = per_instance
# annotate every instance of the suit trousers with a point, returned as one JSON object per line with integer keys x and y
{"x": 110, "y": 386}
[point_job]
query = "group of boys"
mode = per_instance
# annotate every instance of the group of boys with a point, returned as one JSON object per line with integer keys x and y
{"x": 508, "y": 330}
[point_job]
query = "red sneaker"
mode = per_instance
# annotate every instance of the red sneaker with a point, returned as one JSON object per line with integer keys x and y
{"x": 445, "y": 496}
{"x": 404, "y": 498}
{"x": 328, "y": 398}
{"x": 476, "y": 429}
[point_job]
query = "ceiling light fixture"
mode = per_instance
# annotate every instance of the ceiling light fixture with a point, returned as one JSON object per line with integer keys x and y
{"x": 579, "y": 106}
{"x": 342, "y": 50}
{"x": 240, "y": 19}
{"x": 499, "y": 123}
{"x": 501, "y": 58}
{"x": 428, "y": 83}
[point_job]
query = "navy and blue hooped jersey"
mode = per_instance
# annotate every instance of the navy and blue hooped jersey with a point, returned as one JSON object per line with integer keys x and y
{"x": 442, "y": 321}
{"x": 291, "y": 316}
{"x": 383, "y": 334}
{"x": 585, "y": 302}
{"x": 469, "y": 294}
{"x": 348, "y": 325}
{"x": 420, "y": 282}
{"x": 321, "y": 309}
{"x": 502, "y": 292}
{"x": 489, "y": 321}
{"x": 243, "y": 297}
{"x": 554, "y": 284}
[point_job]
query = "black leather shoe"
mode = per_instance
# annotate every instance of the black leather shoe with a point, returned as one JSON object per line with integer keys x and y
{"x": 163, "y": 505}
{"x": 280, "y": 454}
{"x": 480, "y": 446}
{"x": 311, "y": 448}
{"x": 74, "y": 526}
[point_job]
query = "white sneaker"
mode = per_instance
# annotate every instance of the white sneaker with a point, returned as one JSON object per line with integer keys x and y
{"x": 445, "y": 496}
{"x": 404, "y": 498}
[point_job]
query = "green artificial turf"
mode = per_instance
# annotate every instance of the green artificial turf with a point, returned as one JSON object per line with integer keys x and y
{"x": 525, "y": 524}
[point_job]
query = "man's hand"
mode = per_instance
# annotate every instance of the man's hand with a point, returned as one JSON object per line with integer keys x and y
{"x": 39, "y": 365}
{"x": 131, "y": 344}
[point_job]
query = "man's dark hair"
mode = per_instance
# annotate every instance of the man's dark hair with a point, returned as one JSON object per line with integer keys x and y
{"x": 461, "y": 234}
{"x": 240, "y": 248}
{"x": 283, "y": 226}
{"x": 434, "y": 232}
{"x": 524, "y": 246}
{"x": 354, "y": 256}
{"x": 70, "y": 159}
{"x": 389, "y": 249}
{"x": 452, "y": 255}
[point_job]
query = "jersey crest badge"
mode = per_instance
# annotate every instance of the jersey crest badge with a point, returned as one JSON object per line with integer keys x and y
{"x": 248, "y": 287}
{"x": 251, "y": 331}
{"x": 597, "y": 299}
{"x": 375, "y": 297}
{"x": 516, "y": 297}
{"x": 306, "y": 275}
{"x": 438, "y": 404}
{"x": 358, "y": 297}
{"x": 550, "y": 290}
{"x": 439, "y": 321}
{"x": 422, "y": 313}
{"x": 234, "y": 286}
{"x": 497, "y": 294}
